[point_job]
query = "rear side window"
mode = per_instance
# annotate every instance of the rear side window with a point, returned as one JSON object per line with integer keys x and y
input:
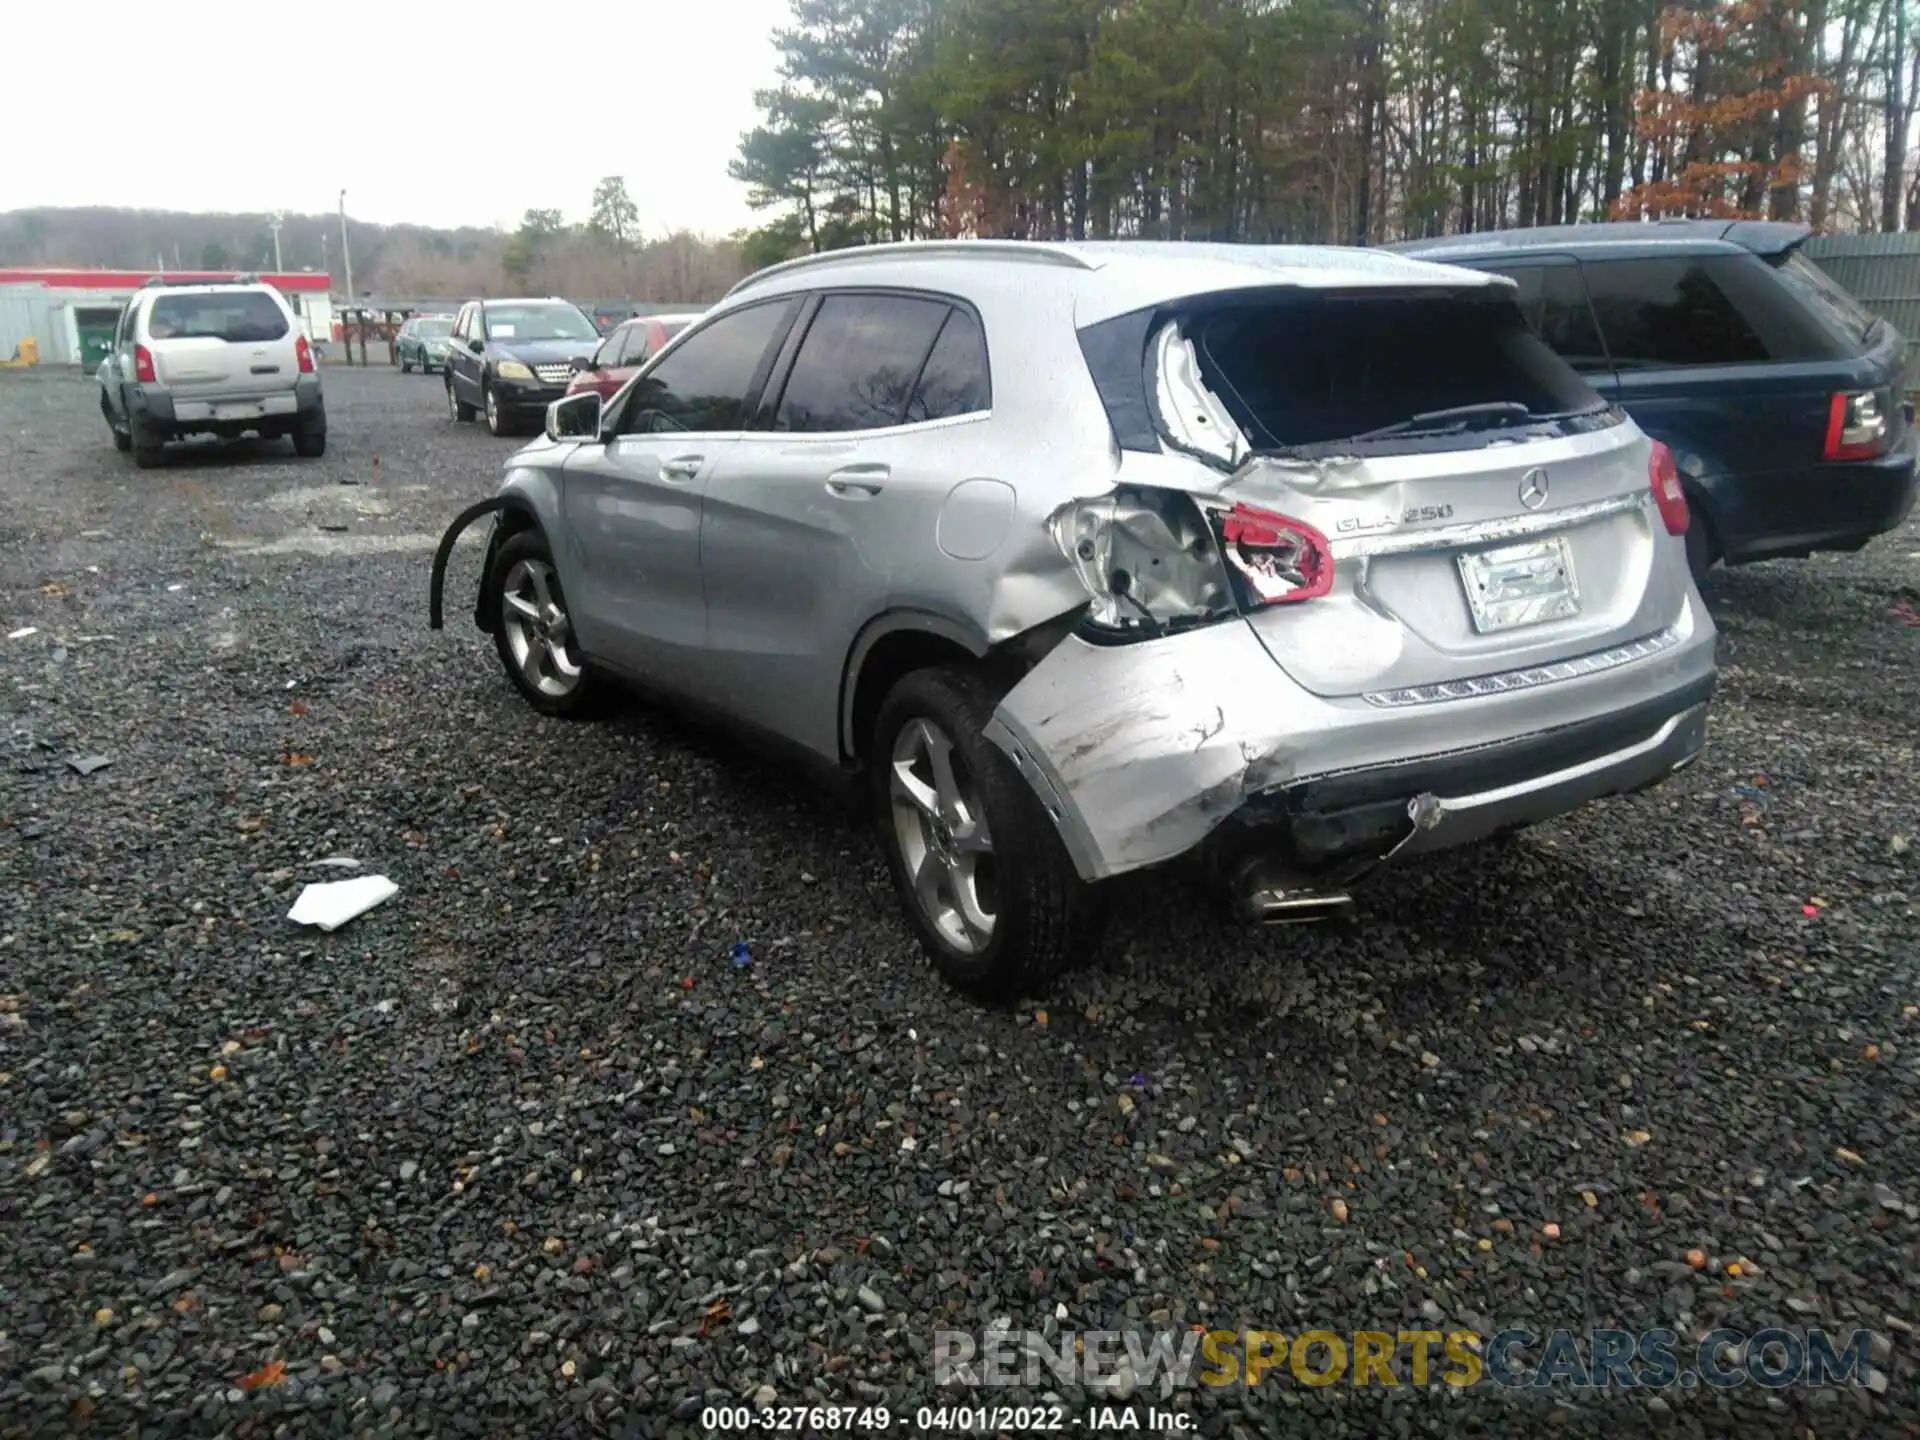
{"x": 706, "y": 383}
{"x": 860, "y": 362}
{"x": 1316, "y": 369}
{"x": 1824, "y": 295}
{"x": 1702, "y": 310}
{"x": 238, "y": 316}
{"x": 954, "y": 380}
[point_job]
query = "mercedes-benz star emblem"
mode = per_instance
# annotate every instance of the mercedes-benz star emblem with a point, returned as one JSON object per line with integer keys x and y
{"x": 1533, "y": 489}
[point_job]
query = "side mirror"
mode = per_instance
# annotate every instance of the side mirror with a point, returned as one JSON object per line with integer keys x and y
{"x": 576, "y": 417}
{"x": 477, "y": 346}
{"x": 586, "y": 362}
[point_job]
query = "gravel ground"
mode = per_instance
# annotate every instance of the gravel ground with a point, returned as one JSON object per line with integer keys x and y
{"x": 522, "y": 1153}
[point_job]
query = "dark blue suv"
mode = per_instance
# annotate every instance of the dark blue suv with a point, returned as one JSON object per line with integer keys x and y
{"x": 1781, "y": 398}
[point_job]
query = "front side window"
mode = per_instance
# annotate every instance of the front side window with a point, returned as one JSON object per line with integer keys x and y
{"x": 555, "y": 321}
{"x": 707, "y": 382}
{"x": 1311, "y": 370}
{"x": 236, "y": 316}
{"x": 860, "y": 362}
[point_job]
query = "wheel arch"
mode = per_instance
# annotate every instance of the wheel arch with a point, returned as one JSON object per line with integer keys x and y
{"x": 888, "y": 647}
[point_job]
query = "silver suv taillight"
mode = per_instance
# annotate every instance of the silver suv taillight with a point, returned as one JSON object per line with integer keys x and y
{"x": 1158, "y": 561}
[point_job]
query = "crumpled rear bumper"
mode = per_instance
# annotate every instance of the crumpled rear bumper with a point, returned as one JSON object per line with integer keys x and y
{"x": 1145, "y": 752}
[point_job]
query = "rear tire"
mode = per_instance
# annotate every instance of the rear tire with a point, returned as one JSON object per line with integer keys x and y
{"x": 966, "y": 840}
{"x": 149, "y": 449}
{"x": 310, "y": 444}
{"x": 533, "y": 631}
{"x": 406, "y": 367}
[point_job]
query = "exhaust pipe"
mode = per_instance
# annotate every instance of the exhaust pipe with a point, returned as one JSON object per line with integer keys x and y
{"x": 1296, "y": 907}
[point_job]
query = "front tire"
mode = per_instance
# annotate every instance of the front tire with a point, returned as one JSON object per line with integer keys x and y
{"x": 456, "y": 407}
{"x": 122, "y": 441}
{"x": 533, "y": 630}
{"x": 406, "y": 367}
{"x": 498, "y": 422}
{"x": 986, "y": 884}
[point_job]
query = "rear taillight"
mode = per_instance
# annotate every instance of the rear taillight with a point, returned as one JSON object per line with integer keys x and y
{"x": 303, "y": 353}
{"x": 1664, "y": 475}
{"x": 1857, "y": 428}
{"x": 1278, "y": 559}
{"x": 143, "y": 364}
{"x": 1159, "y": 561}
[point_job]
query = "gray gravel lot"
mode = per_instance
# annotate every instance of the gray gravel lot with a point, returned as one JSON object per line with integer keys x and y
{"x": 522, "y": 1153}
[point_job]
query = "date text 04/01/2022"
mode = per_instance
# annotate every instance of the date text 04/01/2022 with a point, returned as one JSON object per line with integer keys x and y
{"x": 943, "y": 1419}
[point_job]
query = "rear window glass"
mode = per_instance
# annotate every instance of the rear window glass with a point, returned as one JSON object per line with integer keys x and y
{"x": 1825, "y": 295}
{"x": 239, "y": 316}
{"x": 433, "y": 329}
{"x": 1310, "y": 371}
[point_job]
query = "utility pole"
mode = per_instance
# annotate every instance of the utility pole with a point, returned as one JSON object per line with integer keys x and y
{"x": 346, "y": 253}
{"x": 278, "y": 217}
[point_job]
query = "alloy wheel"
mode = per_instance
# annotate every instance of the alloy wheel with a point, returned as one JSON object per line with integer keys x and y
{"x": 538, "y": 632}
{"x": 941, "y": 829}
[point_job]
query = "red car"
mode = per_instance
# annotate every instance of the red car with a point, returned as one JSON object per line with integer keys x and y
{"x": 628, "y": 346}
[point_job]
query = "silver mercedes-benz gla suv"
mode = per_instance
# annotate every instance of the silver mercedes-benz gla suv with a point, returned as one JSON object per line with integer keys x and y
{"x": 1092, "y": 556}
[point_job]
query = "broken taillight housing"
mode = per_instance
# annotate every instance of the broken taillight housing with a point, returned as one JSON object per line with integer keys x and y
{"x": 1857, "y": 427}
{"x": 1671, "y": 500}
{"x": 1160, "y": 561}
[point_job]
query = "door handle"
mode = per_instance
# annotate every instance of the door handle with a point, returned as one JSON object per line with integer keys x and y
{"x": 681, "y": 467}
{"x": 857, "y": 482}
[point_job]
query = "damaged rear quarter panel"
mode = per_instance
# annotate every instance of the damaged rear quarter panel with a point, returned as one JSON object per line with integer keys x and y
{"x": 1153, "y": 744}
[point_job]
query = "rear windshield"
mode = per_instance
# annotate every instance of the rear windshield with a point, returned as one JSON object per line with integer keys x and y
{"x": 241, "y": 316}
{"x": 539, "y": 322}
{"x": 433, "y": 329}
{"x": 1313, "y": 370}
{"x": 1824, "y": 294}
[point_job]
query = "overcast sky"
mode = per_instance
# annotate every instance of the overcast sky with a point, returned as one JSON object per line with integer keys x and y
{"x": 463, "y": 113}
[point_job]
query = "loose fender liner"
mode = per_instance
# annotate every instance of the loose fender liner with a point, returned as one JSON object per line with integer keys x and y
{"x": 444, "y": 552}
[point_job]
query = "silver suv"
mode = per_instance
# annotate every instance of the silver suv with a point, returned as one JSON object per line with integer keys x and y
{"x": 224, "y": 360}
{"x": 1092, "y": 556}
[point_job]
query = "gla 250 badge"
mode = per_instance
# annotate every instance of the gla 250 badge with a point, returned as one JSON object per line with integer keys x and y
{"x": 1418, "y": 515}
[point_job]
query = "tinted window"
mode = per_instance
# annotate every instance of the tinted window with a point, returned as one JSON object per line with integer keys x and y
{"x": 1823, "y": 294}
{"x": 1700, "y": 310}
{"x": 1318, "y": 369}
{"x": 1554, "y": 301}
{"x": 857, "y": 367}
{"x": 705, "y": 384}
{"x": 954, "y": 381}
{"x": 240, "y": 316}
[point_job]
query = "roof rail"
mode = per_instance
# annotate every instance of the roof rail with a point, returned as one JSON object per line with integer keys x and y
{"x": 152, "y": 280}
{"x": 1039, "y": 252}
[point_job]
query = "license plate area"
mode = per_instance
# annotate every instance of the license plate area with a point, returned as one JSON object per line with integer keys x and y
{"x": 1522, "y": 584}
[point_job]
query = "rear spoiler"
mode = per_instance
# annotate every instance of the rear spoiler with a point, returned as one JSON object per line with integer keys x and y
{"x": 1768, "y": 238}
